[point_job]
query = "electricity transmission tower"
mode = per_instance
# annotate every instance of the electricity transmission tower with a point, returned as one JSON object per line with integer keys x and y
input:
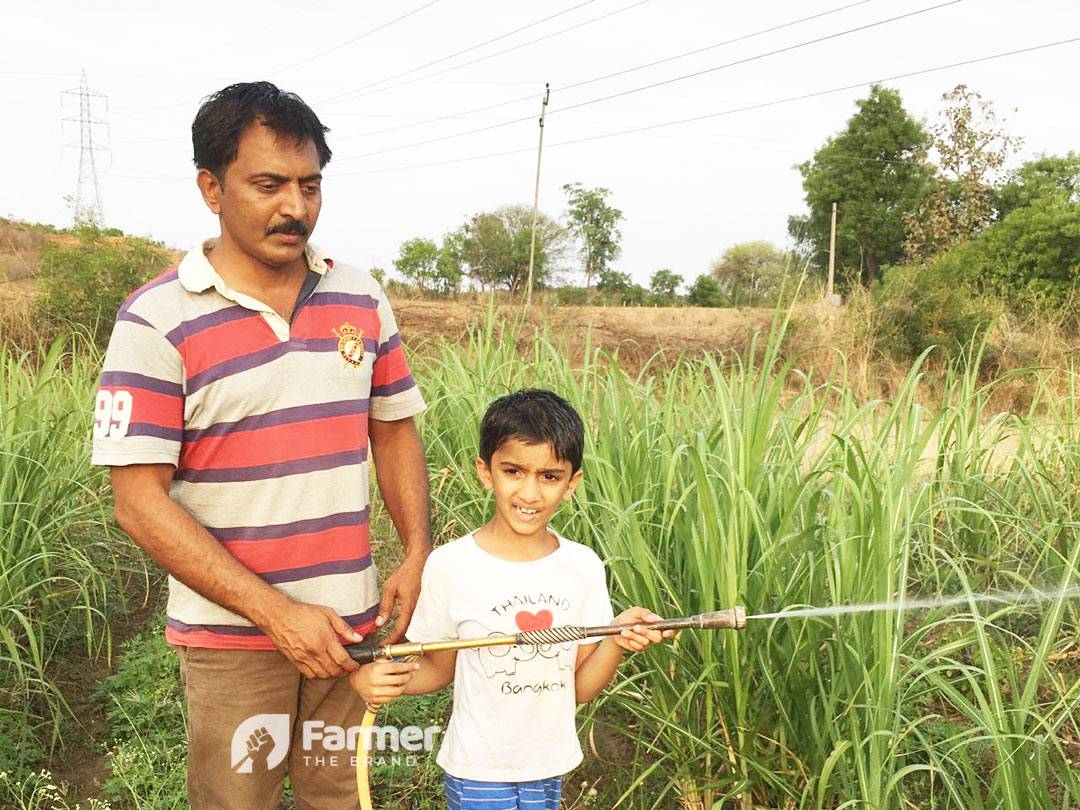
{"x": 87, "y": 200}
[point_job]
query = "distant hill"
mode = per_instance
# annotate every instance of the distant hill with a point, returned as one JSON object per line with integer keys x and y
{"x": 20, "y": 247}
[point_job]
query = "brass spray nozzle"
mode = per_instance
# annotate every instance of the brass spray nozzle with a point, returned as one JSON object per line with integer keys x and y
{"x": 730, "y": 619}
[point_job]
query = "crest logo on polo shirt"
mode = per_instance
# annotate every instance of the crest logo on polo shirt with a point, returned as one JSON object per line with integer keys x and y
{"x": 350, "y": 344}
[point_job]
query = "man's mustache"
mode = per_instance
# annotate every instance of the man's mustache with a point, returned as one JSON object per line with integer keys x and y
{"x": 291, "y": 226}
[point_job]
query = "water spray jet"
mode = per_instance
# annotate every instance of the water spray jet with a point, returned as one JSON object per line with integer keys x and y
{"x": 1029, "y": 595}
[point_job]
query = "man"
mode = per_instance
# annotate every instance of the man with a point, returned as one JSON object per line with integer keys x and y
{"x": 239, "y": 397}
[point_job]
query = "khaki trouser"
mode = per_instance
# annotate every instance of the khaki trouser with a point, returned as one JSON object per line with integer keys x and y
{"x": 238, "y": 760}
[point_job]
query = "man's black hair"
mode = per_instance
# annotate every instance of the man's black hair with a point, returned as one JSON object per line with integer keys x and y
{"x": 535, "y": 416}
{"x": 223, "y": 117}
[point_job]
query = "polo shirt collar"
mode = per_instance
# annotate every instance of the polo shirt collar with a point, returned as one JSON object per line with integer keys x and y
{"x": 198, "y": 275}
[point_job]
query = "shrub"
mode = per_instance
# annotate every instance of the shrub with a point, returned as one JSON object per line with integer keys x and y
{"x": 144, "y": 702}
{"x": 572, "y": 296}
{"x": 84, "y": 281}
{"x": 1030, "y": 258}
{"x": 919, "y": 307}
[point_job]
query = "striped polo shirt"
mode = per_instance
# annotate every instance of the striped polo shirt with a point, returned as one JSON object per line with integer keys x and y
{"x": 266, "y": 423}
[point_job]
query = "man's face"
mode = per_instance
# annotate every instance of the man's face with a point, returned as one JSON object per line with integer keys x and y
{"x": 271, "y": 196}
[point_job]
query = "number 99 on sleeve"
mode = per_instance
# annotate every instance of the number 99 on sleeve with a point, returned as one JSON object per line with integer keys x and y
{"x": 112, "y": 413}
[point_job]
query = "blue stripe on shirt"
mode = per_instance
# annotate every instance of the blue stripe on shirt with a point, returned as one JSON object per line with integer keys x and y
{"x": 470, "y": 794}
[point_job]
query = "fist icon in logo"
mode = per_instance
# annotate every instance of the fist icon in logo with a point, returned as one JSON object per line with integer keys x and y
{"x": 260, "y": 743}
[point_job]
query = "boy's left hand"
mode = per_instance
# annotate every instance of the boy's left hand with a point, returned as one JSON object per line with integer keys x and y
{"x": 636, "y": 639}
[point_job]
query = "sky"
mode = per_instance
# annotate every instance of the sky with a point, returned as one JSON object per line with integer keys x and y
{"x": 377, "y": 73}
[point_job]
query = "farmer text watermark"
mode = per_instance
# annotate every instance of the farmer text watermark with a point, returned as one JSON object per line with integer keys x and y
{"x": 262, "y": 741}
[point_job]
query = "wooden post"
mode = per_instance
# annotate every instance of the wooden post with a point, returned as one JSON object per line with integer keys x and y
{"x": 536, "y": 196}
{"x": 832, "y": 255}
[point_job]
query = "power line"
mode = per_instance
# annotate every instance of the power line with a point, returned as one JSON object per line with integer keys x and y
{"x": 440, "y": 138}
{"x": 448, "y": 116}
{"x": 357, "y": 38}
{"x": 302, "y": 61}
{"x": 756, "y": 57}
{"x": 575, "y": 85}
{"x": 350, "y": 93}
{"x": 731, "y": 111}
{"x": 582, "y": 24}
{"x": 695, "y": 74}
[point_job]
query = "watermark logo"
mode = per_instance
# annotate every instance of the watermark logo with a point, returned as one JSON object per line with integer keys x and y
{"x": 260, "y": 743}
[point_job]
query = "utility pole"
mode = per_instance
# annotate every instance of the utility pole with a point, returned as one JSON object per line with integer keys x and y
{"x": 536, "y": 196}
{"x": 829, "y": 294}
{"x": 87, "y": 199}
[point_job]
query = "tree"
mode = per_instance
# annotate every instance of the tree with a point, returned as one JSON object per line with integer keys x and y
{"x": 875, "y": 171}
{"x": 378, "y": 274}
{"x": 705, "y": 292}
{"x": 594, "y": 224}
{"x": 450, "y": 264}
{"x": 622, "y": 288}
{"x": 971, "y": 149}
{"x": 750, "y": 274}
{"x": 495, "y": 247}
{"x": 417, "y": 262}
{"x": 434, "y": 270}
{"x": 1046, "y": 176}
{"x": 663, "y": 286}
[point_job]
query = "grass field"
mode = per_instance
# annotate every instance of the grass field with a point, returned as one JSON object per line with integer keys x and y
{"x": 709, "y": 482}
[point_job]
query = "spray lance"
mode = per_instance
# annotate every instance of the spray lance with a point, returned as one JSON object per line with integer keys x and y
{"x": 730, "y": 619}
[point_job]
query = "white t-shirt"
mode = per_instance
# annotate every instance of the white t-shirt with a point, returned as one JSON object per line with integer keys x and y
{"x": 514, "y": 707}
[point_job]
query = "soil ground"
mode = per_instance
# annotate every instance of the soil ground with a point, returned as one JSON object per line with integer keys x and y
{"x": 83, "y": 765}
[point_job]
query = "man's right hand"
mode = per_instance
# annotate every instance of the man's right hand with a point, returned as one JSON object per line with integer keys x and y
{"x": 308, "y": 636}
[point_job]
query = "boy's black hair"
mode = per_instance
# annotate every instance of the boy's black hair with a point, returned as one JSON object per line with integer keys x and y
{"x": 535, "y": 416}
{"x": 223, "y": 117}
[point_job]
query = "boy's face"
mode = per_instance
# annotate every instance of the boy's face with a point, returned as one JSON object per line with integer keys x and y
{"x": 529, "y": 483}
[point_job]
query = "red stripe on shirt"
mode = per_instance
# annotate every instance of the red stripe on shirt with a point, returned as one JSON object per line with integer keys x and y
{"x": 273, "y": 445}
{"x": 225, "y": 342}
{"x": 151, "y": 407}
{"x": 390, "y": 368}
{"x": 321, "y": 321}
{"x": 225, "y": 641}
{"x": 300, "y": 550}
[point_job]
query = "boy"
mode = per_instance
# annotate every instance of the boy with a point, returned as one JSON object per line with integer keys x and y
{"x": 511, "y": 734}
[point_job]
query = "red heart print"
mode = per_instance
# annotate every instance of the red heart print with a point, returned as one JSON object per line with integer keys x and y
{"x": 533, "y": 621}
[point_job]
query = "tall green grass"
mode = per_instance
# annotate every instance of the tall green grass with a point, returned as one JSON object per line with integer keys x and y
{"x": 708, "y": 483}
{"x": 719, "y": 482}
{"x": 58, "y": 566}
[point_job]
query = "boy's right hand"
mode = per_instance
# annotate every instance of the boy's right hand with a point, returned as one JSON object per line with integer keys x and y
{"x": 383, "y": 681}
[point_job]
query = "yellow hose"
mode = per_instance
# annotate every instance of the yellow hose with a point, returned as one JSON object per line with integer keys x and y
{"x": 363, "y": 771}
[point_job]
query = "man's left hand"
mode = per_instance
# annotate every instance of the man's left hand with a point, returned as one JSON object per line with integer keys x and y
{"x": 402, "y": 587}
